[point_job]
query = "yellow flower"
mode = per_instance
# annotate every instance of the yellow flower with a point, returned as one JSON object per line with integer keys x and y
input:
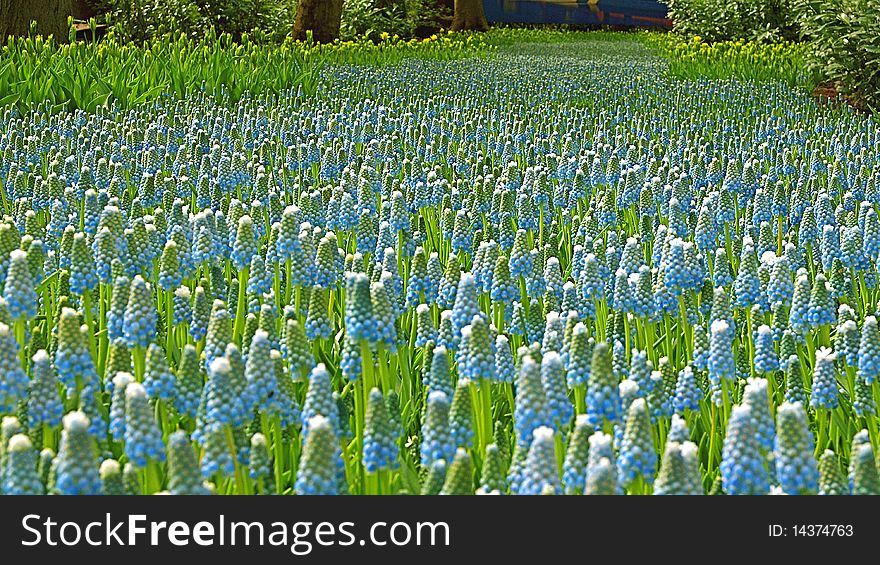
{"x": 384, "y": 35}
{"x": 697, "y": 38}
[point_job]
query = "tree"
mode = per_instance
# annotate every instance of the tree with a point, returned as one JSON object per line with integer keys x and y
{"x": 321, "y": 17}
{"x": 50, "y": 15}
{"x": 469, "y": 15}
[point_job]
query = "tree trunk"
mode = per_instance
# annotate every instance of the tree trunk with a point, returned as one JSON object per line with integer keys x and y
{"x": 469, "y": 15}
{"x": 322, "y": 17}
{"x": 51, "y": 17}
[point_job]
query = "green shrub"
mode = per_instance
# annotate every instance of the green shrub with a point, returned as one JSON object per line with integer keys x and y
{"x": 844, "y": 41}
{"x": 756, "y": 20}
{"x": 405, "y": 18}
{"x": 139, "y": 20}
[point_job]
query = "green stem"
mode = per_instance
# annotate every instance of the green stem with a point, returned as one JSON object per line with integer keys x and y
{"x": 241, "y": 309}
{"x": 239, "y": 478}
{"x": 21, "y": 336}
{"x": 486, "y": 413}
{"x": 278, "y": 447}
{"x": 138, "y": 356}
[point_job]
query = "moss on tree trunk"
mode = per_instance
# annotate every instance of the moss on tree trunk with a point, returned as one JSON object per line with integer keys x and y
{"x": 50, "y": 15}
{"x": 322, "y": 17}
{"x": 469, "y": 15}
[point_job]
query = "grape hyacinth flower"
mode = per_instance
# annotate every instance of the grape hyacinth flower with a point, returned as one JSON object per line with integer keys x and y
{"x": 466, "y": 305}
{"x": 765, "y": 355}
{"x": 359, "y": 309}
{"x": 318, "y": 324}
{"x": 436, "y": 437}
{"x": 580, "y": 356}
{"x": 76, "y": 467}
{"x": 678, "y": 430}
{"x": 262, "y": 387}
{"x": 530, "y": 411}
{"x": 425, "y": 330}
{"x": 143, "y": 437}
{"x": 865, "y": 477}
{"x": 435, "y": 478}
{"x": 637, "y": 459}
{"x": 824, "y": 389}
{"x": 297, "y": 349}
{"x": 540, "y": 473}
{"x": 722, "y": 366}
{"x": 139, "y": 320}
{"x": 158, "y": 379}
{"x": 869, "y": 351}
{"x": 319, "y": 399}
{"x": 679, "y": 471}
{"x": 478, "y": 359}
{"x": 245, "y": 244}
{"x": 216, "y": 456}
{"x": 492, "y": 480}
{"x": 201, "y": 313}
{"x": 688, "y": 392}
{"x": 384, "y": 313}
{"x": 112, "y": 483}
{"x": 559, "y": 409}
{"x": 218, "y": 401}
{"x": 445, "y": 336}
{"x": 505, "y": 371}
{"x": 701, "y": 348}
{"x": 794, "y": 381}
{"x": 756, "y": 397}
{"x": 15, "y": 383}
{"x": 846, "y": 342}
{"x": 18, "y": 291}
{"x": 601, "y": 467}
{"x": 184, "y": 477}
{"x": 188, "y": 388}
{"x": 461, "y": 415}
{"x": 438, "y": 377}
{"x": 821, "y": 311}
{"x": 743, "y": 469}
{"x": 603, "y": 397}
{"x": 832, "y": 482}
{"x": 181, "y": 306}
{"x": 380, "y": 447}
{"x": 574, "y": 467}
{"x": 318, "y": 467}
{"x": 169, "y": 267}
{"x": 19, "y": 471}
{"x": 260, "y": 464}
{"x": 795, "y": 467}
{"x": 73, "y": 363}
{"x": 459, "y": 476}
{"x": 43, "y": 402}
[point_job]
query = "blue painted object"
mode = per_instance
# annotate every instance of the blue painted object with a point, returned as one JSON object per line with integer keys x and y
{"x": 650, "y": 13}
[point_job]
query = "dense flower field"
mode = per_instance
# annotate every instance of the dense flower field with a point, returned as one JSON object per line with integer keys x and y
{"x": 553, "y": 271}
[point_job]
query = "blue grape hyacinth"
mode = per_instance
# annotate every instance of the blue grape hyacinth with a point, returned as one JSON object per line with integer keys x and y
{"x": 76, "y": 467}
{"x": 743, "y": 468}
{"x": 796, "y": 468}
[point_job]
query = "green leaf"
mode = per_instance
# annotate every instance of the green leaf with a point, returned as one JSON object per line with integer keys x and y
{"x": 9, "y": 99}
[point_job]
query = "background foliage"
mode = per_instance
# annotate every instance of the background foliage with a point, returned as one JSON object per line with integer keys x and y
{"x": 841, "y": 38}
{"x": 138, "y": 20}
{"x": 760, "y": 20}
{"x": 405, "y": 18}
{"x": 743, "y": 60}
{"x": 844, "y": 41}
